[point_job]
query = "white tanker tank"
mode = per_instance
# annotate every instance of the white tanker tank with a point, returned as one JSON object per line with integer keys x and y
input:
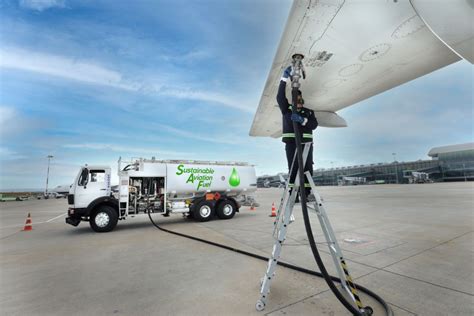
{"x": 187, "y": 178}
{"x": 199, "y": 189}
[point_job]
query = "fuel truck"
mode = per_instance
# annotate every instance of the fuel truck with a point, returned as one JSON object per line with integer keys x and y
{"x": 197, "y": 189}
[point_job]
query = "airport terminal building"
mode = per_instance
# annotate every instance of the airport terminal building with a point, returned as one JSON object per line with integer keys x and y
{"x": 447, "y": 163}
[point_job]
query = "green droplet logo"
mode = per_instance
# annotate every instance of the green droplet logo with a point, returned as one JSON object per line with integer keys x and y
{"x": 234, "y": 179}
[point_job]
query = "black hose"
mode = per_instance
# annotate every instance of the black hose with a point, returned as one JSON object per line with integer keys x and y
{"x": 307, "y": 224}
{"x": 387, "y": 308}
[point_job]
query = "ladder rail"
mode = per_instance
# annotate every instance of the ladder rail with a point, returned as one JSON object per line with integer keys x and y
{"x": 345, "y": 277}
{"x": 281, "y": 224}
{"x": 287, "y": 200}
{"x": 282, "y": 221}
{"x": 333, "y": 245}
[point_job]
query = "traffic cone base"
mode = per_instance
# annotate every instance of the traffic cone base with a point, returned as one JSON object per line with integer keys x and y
{"x": 28, "y": 224}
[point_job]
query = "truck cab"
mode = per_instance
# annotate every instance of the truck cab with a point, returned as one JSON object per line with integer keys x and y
{"x": 90, "y": 199}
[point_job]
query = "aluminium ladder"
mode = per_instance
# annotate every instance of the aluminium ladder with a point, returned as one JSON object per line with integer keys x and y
{"x": 285, "y": 217}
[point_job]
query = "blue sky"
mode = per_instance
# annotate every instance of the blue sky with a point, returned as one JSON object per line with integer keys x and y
{"x": 89, "y": 81}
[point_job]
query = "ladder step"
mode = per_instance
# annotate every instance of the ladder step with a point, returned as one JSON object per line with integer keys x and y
{"x": 280, "y": 229}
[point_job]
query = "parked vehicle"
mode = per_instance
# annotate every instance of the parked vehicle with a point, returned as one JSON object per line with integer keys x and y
{"x": 5, "y": 197}
{"x": 199, "y": 189}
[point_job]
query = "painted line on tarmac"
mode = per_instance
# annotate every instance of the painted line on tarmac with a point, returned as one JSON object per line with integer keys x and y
{"x": 52, "y": 219}
{"x": 35, "y": 223}
{"x": 12, "y": 226}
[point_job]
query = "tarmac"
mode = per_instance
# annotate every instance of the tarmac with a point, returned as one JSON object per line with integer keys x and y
{"x": 411, "y": 244}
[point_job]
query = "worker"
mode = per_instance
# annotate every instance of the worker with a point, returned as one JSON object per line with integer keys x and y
{"x": 307, "y": 122}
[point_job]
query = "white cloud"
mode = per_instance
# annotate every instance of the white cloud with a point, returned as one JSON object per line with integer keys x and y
{"x": 187, "y": 57}
{"x": 40, "y": 5}
{"x": 126, "y": 149}
{"x": 408, "y": 122}
{"x": 94, "y": 73}
{"x": 59, "y": 66}
{"x": 7, "y": 114}
{"x": 228, "y": 101}
{"x": 196, "y": 55}
{"x": 13, "y": 123}
{"x": 8, "y": 154}
{"x": 231, "y": 140}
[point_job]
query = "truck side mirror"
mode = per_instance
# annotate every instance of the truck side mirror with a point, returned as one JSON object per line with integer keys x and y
{"x": 84, "y": 177}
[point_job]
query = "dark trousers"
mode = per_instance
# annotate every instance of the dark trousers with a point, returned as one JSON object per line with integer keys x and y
{"x": 290, "y": 149}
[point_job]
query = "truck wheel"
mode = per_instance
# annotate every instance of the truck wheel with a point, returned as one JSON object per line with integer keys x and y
{"x": 226, "y": 209}
{"x": 104, "y": 219}
{"x": 204, "y": 211}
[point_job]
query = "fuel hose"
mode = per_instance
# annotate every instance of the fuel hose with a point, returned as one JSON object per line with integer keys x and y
{"x": 309, "y": 231}
{"x": 384, "y": 304}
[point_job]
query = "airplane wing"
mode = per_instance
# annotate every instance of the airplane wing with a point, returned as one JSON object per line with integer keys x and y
{"x": 355, "y": 49}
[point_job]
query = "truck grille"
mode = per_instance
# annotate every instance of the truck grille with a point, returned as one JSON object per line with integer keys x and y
{"x": 70, "y": 199}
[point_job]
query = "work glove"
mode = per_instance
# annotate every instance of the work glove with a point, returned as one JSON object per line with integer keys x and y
{"x": 287, "y": 73}
{"x": 297, "y": 118}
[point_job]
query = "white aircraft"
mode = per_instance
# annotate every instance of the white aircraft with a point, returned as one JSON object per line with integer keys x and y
{"x": 61, "y": 189}
{"x": 355, "y": 49}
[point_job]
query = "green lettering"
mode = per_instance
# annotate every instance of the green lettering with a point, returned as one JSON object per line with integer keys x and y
{"x": 180, "y": 170}
{"x": 191, "y": 178}
{"x": 200, "y": 184}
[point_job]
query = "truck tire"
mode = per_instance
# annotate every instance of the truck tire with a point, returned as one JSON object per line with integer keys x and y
{"x": 204, "y": 211}
{"x": 103, "y": 219}
{"x": 226, "y": 209}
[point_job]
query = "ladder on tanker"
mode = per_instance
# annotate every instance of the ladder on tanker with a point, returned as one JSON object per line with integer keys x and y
{"x": 285, "y": 217}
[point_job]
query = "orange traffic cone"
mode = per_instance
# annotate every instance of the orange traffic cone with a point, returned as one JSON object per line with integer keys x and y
{"x": 273, "y": 214}
{"x": 28, "y": 225}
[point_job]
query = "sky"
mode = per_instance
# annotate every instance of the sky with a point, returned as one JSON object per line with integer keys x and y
{"x": 91, "y": 81}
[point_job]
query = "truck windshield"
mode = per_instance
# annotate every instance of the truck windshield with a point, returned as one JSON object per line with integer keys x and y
{"x": 84, "y": 177}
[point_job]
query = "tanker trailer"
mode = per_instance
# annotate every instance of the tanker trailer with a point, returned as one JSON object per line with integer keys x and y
{"x": 196, "y": 189}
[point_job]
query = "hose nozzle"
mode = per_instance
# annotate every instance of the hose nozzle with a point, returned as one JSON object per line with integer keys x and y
{"x": 297, "y": 69}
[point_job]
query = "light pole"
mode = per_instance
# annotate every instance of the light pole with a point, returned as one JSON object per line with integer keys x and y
{"x": 333, "y": 180}
{"x": 464, "y": 171}
{"x": 396, "y": 167}
{"x": 47, "y": 174}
